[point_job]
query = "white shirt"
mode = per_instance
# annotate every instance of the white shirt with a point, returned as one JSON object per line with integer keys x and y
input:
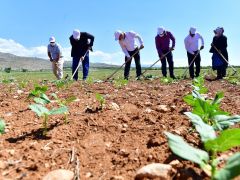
{"x": 129, "y": 43}
{"x": 191, "y": 43}
{"x": 55, "y": 51}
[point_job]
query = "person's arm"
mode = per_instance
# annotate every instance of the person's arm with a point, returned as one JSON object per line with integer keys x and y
{"x": 59, "y": 53}
{"x": 91, "y": 37}
{"x": 202, "y": 41}
{"x": 49, "y": 54}
{"x": 173, "y": 40}
{"x": 124, "y": 49}
{"x": 135, "y": 35}
{"x": 71, "y": 40}
{"x": 225, "y": 42}
{"x": 158, "y": 47}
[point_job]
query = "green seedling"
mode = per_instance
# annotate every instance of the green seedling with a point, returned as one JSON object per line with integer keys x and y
{"x": 2, "y": 126}
{"x": 38, "y": 90}
{"x": 207, "y": 159}
{"x": 166, "y": 80}
{"x": 64, "y": 102}
{"x": 100, "y": 98}
{"x": 209, "y": 111}
{"x": 22, "y": 84}
{"x": 198, "y": 85}
{"x": 233, "y": 80}
{"x": 44, "y": 113}
{"x": 150, "y": 77}
{"x": 90, "y": 80}
{"x": 60, "y": 84}
{"x": 119, "y": 83}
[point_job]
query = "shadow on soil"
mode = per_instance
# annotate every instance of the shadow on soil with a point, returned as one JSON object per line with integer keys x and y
{"x": 184, "y": 173}
{"x": 35, "y": 134}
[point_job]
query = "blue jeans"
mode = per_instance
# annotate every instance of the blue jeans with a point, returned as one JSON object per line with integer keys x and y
{"x": 85, "y": 67}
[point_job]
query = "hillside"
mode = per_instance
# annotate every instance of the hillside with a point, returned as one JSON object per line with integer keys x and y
{"x": 17, "y": 63}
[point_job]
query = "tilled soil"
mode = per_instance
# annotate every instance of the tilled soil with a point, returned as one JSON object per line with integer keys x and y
{"x": 114, "y": 141}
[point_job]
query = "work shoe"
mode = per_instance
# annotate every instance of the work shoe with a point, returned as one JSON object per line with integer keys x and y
{"x": 173, "y": 77}
{"x": 138, "y": 78}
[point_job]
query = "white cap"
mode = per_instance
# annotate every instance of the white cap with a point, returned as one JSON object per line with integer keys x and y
{"x": 193, "y": 30}
{"x": 160, "y": 30}
{"x": 52, "y": 39}
{"x": 76, "y": 34}
{"x": 117, "y": 34}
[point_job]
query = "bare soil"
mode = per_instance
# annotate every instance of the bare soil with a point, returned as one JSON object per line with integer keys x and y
{"x": 107, "y": 142}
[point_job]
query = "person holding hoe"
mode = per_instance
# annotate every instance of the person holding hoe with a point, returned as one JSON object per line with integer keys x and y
{"x": 55, "y": 56}
{"x": 193, "y": 53}
{"x": 81, "y": 43}
{"x": 162, "y": 41}
{"x": 127, "y": 41}
{"x": 219, "y": 45}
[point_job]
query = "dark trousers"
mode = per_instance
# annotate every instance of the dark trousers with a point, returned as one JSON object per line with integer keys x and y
{"x": 169, "y": 59}
{"x": 137, "y": 63}
{"x": 85, "y": 67}
{"x": 221, "y": 72}
{"x": 196, "y": 62}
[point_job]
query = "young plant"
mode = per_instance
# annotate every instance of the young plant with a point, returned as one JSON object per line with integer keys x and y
{"x": 119, "y": 83}
{"x": 210, "y": 112}
{"x": 166, "y": 80}
{"x": 2, "y": 126}
{"x": 100, "y": 98}
{"x": 64, "y": 102}
{"x": 60, "y": 84}
{"x": 38, "y": 90}
{"x": 207, "y": 159}
{"x": 44, "y": 113}
{"x": 198, "y": 85}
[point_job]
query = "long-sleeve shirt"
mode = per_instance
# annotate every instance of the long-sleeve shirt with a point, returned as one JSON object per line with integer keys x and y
{"x": 79, "y": 47}
{"x": 163, "y": 43}
{"x": 221, "y": 44}
{"x": 129, "y": 42}
{"x": 191, "y": 43}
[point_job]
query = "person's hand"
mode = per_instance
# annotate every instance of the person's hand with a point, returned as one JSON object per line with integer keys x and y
{"x": 129, "y": 58}
{"x": 81, "y": 58}
{"x": 51, "y": 59}
{"x": 90, "y": 48}
{"x": 196, "y": 52}
{"x": 141, "y": 47}
{"x": 172, "y": 48}
{"x": 202, "y": 47}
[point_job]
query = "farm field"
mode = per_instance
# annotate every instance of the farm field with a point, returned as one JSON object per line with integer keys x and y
{"x": 108, "y": 139}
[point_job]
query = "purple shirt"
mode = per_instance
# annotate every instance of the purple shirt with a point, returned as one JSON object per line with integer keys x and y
{"x": 163, "y": 43}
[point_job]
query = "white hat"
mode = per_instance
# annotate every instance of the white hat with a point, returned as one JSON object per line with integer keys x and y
{"x": 193, "y": 30}
{"x": 117, "y": 34}
{"x": 160, "y": 30}
{"x": 52, "y": 39}
{"x": 76, "y": 34}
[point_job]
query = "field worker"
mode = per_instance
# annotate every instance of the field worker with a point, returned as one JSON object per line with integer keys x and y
{"x": 162, "y": 41}
{"x": 81, "y": 42}
{"x": 220, "y": 42}
{"x": 127, "y": 41}
{"x": 191, "y": 45}
{"x": 55, "y": 55}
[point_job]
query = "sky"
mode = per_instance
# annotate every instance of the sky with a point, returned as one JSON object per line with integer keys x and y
{"x": 26, "y": 26}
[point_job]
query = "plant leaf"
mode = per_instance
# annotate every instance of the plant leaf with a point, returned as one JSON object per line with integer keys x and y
{"x": 60, "y": 110}
{"x": 231, "y": 170}
{"x": 189, "y": 100}
{"x": 2, "y": 126}
{"x": 184, "y": 150}
{"x": 218, "y": 97}
{"x": 226, "y": 121}
{"x": 206, "y": 132}
{"x": 39, "y": 109}
{"x": 226, "y": 140}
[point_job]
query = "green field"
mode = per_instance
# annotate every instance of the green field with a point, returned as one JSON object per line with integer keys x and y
{"x": 95, "y": 74}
